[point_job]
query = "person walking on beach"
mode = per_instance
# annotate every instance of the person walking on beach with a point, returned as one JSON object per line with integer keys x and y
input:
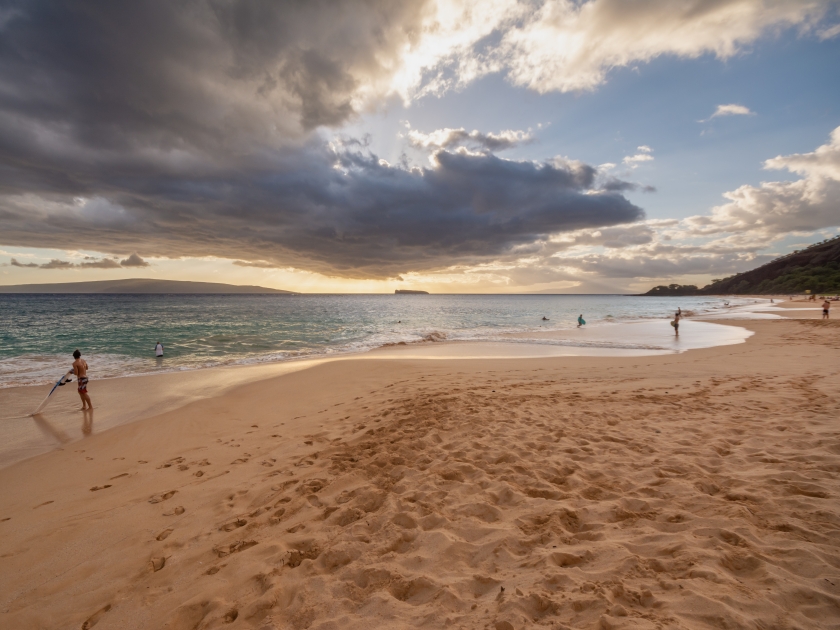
{"x": 581, "y": 321}
{"x": 80, "y": 368}
{"x": 159, "y": 349}
{"x": 826, "y": 306}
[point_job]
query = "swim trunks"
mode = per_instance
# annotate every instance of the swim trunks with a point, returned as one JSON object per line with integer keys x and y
{"x": 83, "y": 383}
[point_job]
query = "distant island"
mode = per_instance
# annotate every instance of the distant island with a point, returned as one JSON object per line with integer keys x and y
{"x": 410, "y": 292}
{"x": 815, "y": 269}
{"x": 139, "y": 285}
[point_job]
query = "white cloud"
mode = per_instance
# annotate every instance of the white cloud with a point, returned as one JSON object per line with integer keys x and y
{"x": 732, "y": 110}
{"x": 824, "y": 162}
{"x": 634, "y": 160}
{"x": 773, "y": 208}
{"x": 449, "y": 138}
{"x": 568, "y": 45}
{"x": 829, "y": 32}
{"x": 644, "y": 148}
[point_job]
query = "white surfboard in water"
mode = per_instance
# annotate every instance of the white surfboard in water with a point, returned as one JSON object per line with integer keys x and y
{"x": 65, "y": 378}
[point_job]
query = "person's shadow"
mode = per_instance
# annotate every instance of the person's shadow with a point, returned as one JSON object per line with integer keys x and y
{"x": 49, "y": 430}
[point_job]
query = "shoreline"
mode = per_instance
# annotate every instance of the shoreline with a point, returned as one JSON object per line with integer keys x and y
{"x": 696, "y": 489}
{"x": 41, "y": 369}
{"x": 131, "y": 398}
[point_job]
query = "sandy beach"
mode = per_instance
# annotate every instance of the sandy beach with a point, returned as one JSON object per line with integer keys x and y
{"x": 692, "y": 490}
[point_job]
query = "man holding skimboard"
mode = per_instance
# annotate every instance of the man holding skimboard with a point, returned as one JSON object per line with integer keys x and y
{"x": 80, "y": 368}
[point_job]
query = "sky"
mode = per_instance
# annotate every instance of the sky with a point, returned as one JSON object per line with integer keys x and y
{"x": 502, "y": 146}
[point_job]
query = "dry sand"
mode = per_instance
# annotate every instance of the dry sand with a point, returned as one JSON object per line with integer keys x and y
{"x": 697, "y": 490}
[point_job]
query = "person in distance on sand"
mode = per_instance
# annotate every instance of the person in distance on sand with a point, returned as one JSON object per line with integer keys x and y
{"x": 80, "y": 368}
{"x": 826, "y": 306}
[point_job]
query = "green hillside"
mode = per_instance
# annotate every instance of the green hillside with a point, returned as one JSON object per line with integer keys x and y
{"x": 815, "y": 269}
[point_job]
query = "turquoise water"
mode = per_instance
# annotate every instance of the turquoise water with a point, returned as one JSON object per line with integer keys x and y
{"x": 117, "y": 333}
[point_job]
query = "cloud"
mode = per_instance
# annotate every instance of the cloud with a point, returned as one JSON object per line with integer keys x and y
{"x": 452, "y": 138}
{"x": 829, "y": 32}
{"x": 732, "y": 110}
{"x": 774, "y": 208}
{"x": 104, "y": 263}
{"x": 340, "y": 213}
{"x": 134, "y": 261}
{"x": 729, "y": 110}
{"x": 634, "y": 160}
{"x": 259, "y": 264}
{"x": 643, "y": 155}
{"x": 192, "y": 129}
{"x": 569, "y": 46}
{"x": 647, "y": 264}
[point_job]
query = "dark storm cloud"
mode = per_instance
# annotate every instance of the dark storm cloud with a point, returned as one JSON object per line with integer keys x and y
{"x": 613, "y": 184}
{"x": 181, "y": 129}
{"x": 104, "y": 263}
{"x": 134, "y": 261}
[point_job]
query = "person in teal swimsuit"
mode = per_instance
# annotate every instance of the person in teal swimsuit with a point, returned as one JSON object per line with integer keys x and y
{"x": 581, "y": 321}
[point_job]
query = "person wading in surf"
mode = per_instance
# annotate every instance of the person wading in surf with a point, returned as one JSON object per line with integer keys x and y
{"x": 80, "y": 368}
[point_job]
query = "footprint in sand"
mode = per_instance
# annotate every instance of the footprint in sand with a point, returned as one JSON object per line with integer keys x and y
{"x": 156, "y": 564}
{"x": 240, "y": 545}
{"x": 95, "y": 488}
{"x": 163, "y": 497}
{"x": 199, "y": 473}
{"x": 176, "y": 512}
{"x": 231, "y": 615}
{"x": 164, "y": 534}
{"x": 95, "y": 617}
{"x": 43, "y": 504}
{"x": 118, "y": 476}
{"x": 213, "y": 570}
{"x": 3, "y": 520}
{"x": 229, "y": 527}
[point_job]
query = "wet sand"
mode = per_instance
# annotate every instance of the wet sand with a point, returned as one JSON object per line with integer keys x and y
{"x": 122, "y": 400}
{"x": 689, "y": 490}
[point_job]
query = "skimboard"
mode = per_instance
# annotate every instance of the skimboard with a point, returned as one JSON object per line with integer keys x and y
{"x": 674, "y": 324}
{"x": 65, "y": 378}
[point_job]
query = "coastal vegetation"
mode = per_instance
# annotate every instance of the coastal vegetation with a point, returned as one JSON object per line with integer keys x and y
{"x": 815, "y": 269}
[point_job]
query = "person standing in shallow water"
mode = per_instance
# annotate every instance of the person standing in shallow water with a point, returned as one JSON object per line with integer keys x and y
{"x": 676, "y": 324}
{"x": 159, "y": 350}
{"x": 80, "y": 369}
{"x": 581, "y": 321}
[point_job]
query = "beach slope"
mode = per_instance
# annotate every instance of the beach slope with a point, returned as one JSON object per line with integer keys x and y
{"x": 697, "y": 490}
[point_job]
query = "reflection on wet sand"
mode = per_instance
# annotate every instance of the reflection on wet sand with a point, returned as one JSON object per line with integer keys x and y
{"x": 87, "y": 421}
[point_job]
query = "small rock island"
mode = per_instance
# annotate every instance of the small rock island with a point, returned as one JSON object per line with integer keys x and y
{"x": 410, "y": 292}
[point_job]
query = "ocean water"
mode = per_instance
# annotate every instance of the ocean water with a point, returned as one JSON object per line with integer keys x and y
{"x": 117, "y": 333}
